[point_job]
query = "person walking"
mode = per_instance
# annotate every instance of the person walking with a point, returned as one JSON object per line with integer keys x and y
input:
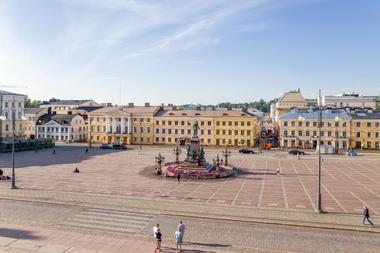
{"x": 179, "y": 178}
{"x": 278, "y": 172}
{"x": 178, "y": 240}
{"x": 53, "y": 151}
{"x": 158, "y": 237}
{"x": 155, "y": 229}
{"x": 181, "y": 228}
{"x": 366, "y": 216}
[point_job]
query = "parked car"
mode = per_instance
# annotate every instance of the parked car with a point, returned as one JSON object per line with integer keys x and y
{"x": 296, "y": 152}
{"x": 351, "y": 153}
{"x": 119, "y": 146}
{"x": 105, "y": 146}
{"x": 246, "y": 151}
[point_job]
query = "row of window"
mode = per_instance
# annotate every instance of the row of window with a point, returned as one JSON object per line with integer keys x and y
{"x": 202, "y": 132}
{"x": 369, "y": 124}
{"x": 369, "y": 135}
{"x": 314, "y": 124}
{"x": 330, "y": 124}
{"x": 8, "y": 128}
{"x": 202, "y": 123}
{"x": 309, "y": 144}
{"x": 54, "y": 129}
{"x": 329, "y": 134}
{"x": 6, "y": 104}
{"x": 7, "y": 116}
{"x": 314, "y": 133}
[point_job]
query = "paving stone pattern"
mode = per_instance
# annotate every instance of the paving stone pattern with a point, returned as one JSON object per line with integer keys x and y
{"x": 347, "y": 183}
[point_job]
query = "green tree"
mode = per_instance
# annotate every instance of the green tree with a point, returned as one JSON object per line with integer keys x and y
{"x": 32, "y": 103}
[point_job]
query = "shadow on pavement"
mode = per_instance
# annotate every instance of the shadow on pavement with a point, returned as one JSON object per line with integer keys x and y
{"x": 185, "y": 250}
{"x": 18, "y": 234}
{"x": 46, "y": 157}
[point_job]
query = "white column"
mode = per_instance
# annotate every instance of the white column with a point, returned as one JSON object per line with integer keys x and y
{"x": 60, "y": 133}
{"x": 68, "y": 133}
{"x": 130, "y": 124}
{"x": 107, "y": 124}
{"x": 122, "y": 125}
{"x": 114, "y": 124}
{"x": 45, "y": 128}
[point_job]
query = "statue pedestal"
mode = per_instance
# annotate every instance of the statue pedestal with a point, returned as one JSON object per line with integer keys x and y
{"x": 195, "y": 150}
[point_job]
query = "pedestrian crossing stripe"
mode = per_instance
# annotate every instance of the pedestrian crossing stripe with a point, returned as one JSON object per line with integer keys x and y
{"x": 109, "y": 220}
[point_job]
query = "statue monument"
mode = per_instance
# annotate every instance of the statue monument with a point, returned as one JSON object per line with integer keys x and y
{"x": 195, "y": 164}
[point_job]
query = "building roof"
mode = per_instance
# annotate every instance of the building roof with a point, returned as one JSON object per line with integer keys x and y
{"x": 110, "y": 110}
{"x": 3, "y": 92}
{"x": 312, "y": 114}
{"x": 292, "y": 96}
{"x": 33, "y": 110}
{"x": 141, "y": 109}
{"x": 127, "y": 110}
{"x": 62, "y": 119}
{"x": 89, "y": 108}
{"x": 375, "y": 114}
{"x": 69, "y": 102}
{"x": 204, "y": 113}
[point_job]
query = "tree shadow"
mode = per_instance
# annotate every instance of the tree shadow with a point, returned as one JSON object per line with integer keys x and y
{"x": 46, "y": 157}
{"x": 18, "y": 234}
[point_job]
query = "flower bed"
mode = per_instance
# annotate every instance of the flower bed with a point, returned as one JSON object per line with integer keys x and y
{"x": 170, "y": 171}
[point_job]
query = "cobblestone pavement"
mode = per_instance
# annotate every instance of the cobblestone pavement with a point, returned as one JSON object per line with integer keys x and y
{"x": 43, "y": 228}
{"x": 347, "y": 183}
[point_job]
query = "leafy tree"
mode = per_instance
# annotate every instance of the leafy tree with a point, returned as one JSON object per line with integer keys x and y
{"x": 32, "y": 103}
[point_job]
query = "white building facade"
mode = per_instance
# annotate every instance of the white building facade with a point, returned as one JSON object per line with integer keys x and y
{"x": 11, "y": 104}
{"x": 350, "y": 100}
{"x": 62, "y": 128}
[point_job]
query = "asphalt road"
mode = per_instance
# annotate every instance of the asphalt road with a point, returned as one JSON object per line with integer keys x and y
{"x": 210, "y": 235}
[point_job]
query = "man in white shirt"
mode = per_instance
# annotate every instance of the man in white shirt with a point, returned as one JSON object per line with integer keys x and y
{"x": 155, "y": 230}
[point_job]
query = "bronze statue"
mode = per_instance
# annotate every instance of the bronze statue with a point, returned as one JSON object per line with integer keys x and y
{"x": 195, "y": 129}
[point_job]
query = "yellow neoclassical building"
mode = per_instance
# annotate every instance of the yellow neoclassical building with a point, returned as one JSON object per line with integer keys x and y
{"x": 284, "y": 104}
{"x": 217, "y": 127}
{"x": 122, "y": 124}
{"x": 365, "y": 129}
{"x": 299, "y": 129}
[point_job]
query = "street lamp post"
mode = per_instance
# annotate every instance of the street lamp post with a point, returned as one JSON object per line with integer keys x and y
{"x": 319, "y": 198}
{"x": 300, "y": 120}
{"x": 336, "y": 134}
{"x": 13, "y": 150}
{"x": 177, "y": 152}
{"x": 160, "y": 160}
{"x": 90, "y": 142}
{"x": 226, "y": 154}
{"x": 217, "y": 161}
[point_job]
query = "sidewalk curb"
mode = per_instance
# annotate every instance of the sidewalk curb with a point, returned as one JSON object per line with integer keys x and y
{"x": 257, "y": 220}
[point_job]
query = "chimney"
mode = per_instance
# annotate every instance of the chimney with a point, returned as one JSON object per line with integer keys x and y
{"x": 229, "y": 108}
{"x": 198, "y": 108}
{"x": 54, "y": 113}
{"x": 170, "y": 105}
{"x": 147, "y": 104}
{"x": 131, "y": 105}
{"x": 213, "y": 108}
{"x": 49, "y": 110}
{"x": 174, "y": 108}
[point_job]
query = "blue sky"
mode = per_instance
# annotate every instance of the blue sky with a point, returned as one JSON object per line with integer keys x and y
{"x": 193, "y": 51}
